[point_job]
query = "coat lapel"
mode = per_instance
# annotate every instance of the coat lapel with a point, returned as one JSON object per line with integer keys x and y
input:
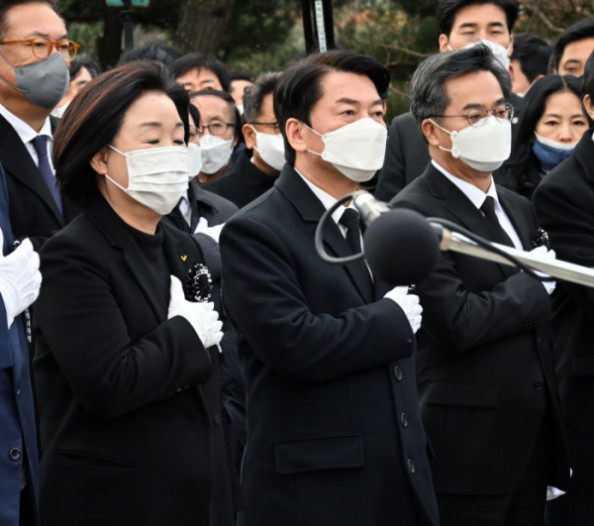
{"x": 311, "y": 209}
{"x": 461, "y": 210}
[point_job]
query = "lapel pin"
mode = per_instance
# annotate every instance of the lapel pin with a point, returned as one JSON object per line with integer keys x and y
{"x": 184, "y": 257}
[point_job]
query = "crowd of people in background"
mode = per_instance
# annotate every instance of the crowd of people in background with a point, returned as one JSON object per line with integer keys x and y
{"x": 175, "y": 351}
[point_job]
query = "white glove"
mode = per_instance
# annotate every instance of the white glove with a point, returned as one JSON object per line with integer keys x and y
{"x": 20, "y": 278}
{"x": 212, "y": 231}
{"x": 201, "y": 315}
{"x": 544, "y": 253}
{"x": 409, "y": 303}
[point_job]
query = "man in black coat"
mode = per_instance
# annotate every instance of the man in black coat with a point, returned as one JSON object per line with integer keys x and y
{"x": 334, "y": 432}
{"x": 564, "y": 203}
{"x": 462, "y": 22}
{"x": 37, "y": 209}
{"x": 258, "y": 166}
{"x": 485, "y": 365}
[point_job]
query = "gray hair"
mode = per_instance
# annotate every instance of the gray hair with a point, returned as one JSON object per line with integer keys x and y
{"x": 253, "y": 96}
{"x": 428, "y": 96}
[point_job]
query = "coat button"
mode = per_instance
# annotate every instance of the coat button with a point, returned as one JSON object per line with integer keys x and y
{"x": 18, "y": 389}
{"x": 217, "y": 420}
{"x": 411, "y": 466}
{"x": 404, "y": 420}
{"x": 15, "y": 454}
{"x": 538, "y": 385}
{"x": 397, "y": 373}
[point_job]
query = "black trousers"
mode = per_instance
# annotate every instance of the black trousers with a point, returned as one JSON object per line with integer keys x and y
{"x": 525, "y": 506}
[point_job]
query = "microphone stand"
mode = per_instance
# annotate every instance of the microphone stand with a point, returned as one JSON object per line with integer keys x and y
{"x": 563, "y": 270}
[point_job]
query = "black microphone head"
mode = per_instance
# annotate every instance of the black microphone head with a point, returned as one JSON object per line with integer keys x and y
{"x": 401, "y": 247}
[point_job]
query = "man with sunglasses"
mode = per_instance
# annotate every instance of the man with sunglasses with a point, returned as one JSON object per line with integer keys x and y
{"x": 258, "y": 166}
{"x": 485, "y": 370}
{"x": 35, "y": 55}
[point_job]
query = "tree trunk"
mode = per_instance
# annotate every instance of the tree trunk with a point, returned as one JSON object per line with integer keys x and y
{"x": 202, "y": 24}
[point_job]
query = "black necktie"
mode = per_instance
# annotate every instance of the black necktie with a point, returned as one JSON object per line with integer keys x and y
{"x": 40, "y": 145}
{"x": 501, "y": 237}
{"x": 350, "y": 220}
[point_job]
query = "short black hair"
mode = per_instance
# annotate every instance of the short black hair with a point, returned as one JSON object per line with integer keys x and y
{"x": 578, "y": 31}
{"x": 428, "y": 95}
{"x": 229, "y": 100}
{"x": 242, "y": 74}
{"x": 253, "y": 96}
{"x": 533, "y": 54}
{"x": 84, "y": 62}
{"x": 7, "y": 5}
{"x": 199, "y": 61}
{"x": 93, "y": 119}
{"x": 588, "y": 78}
{"x": 447, "y": 10}
{"x": 159, "y": 51}
{"x": 299, "y": 86}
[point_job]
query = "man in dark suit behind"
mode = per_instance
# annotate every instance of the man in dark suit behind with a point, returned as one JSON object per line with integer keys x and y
{"x": 37, "y": 209}
{"x": 462, "y": 22}
{"x": 485, "y": 364}
{"x": 19, "y": 286}
{"x": 334, "y": 432}
{"x": 564, "y": 202}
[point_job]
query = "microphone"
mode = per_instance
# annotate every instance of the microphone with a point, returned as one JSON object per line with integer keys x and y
{"x": 402, "y": 246}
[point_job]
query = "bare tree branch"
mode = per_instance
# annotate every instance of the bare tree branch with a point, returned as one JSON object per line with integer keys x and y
{"x": 532, "y": 6}
{"x": 405, "y": 50}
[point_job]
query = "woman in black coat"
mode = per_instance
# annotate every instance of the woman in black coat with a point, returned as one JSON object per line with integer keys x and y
{"x": 127, "y": 359}
{"x": 552, "y": 122}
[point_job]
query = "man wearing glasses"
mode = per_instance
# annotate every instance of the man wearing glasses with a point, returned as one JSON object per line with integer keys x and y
{"x": 35, "y": 54}
{"x": 485, "y": 365}
{"x": 219, "y": 131}
{"x": 258, "y": 166}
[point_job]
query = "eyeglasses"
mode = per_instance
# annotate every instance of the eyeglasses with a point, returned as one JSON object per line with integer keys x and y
{"x": 215, "y": 128}
{"x": 42, "y": 47}
{"x": 477, "y": 116}
{"x": 275, "y": 125}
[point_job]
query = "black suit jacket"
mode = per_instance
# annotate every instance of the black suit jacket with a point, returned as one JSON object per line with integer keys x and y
{"x": 564, "y": 201}
{"x": 407, "y": 153}
{"x": 130, "y": 418}
{"x": 485, "y": 363}
{"x": 243, "y": 183}
{"x": 33, "y": 211}
{"x": 335, "y": 436}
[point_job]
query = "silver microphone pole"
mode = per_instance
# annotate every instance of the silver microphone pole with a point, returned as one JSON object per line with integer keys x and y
{"x": 554, "y": 267}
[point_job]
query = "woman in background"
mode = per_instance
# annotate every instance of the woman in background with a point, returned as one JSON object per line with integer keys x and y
{"x": 552, "y": 122}
{"x": 127, "y": 359}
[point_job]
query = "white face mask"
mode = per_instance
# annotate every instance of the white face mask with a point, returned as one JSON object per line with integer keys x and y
{"x": 484, "y": 148}
{"x": 271, "y": 148}
{"x": 157, "y": 177}
{"x": 356, "y": 150}
{"x": 194, "y": 160}
{"x": 216, "y": 153}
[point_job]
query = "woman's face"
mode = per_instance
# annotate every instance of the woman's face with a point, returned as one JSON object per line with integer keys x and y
{"x": 151, "y": 121}
{"x": 563, "y": 119}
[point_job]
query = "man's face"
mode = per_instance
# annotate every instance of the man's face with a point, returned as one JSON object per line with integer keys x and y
{"x": 269, "y": 126}
{"x": 237, "y": 88}
{"x": 215, "y": 111}
{"x": 574, "y": 57}
{"x": 24, "y": 22}
{"x": 520, "y": 82}
{"x": 466, "y": 93}
{"x": 199, "y": 79}
{"x": 347, "y": 97}
{"x": 477, "y": 22}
